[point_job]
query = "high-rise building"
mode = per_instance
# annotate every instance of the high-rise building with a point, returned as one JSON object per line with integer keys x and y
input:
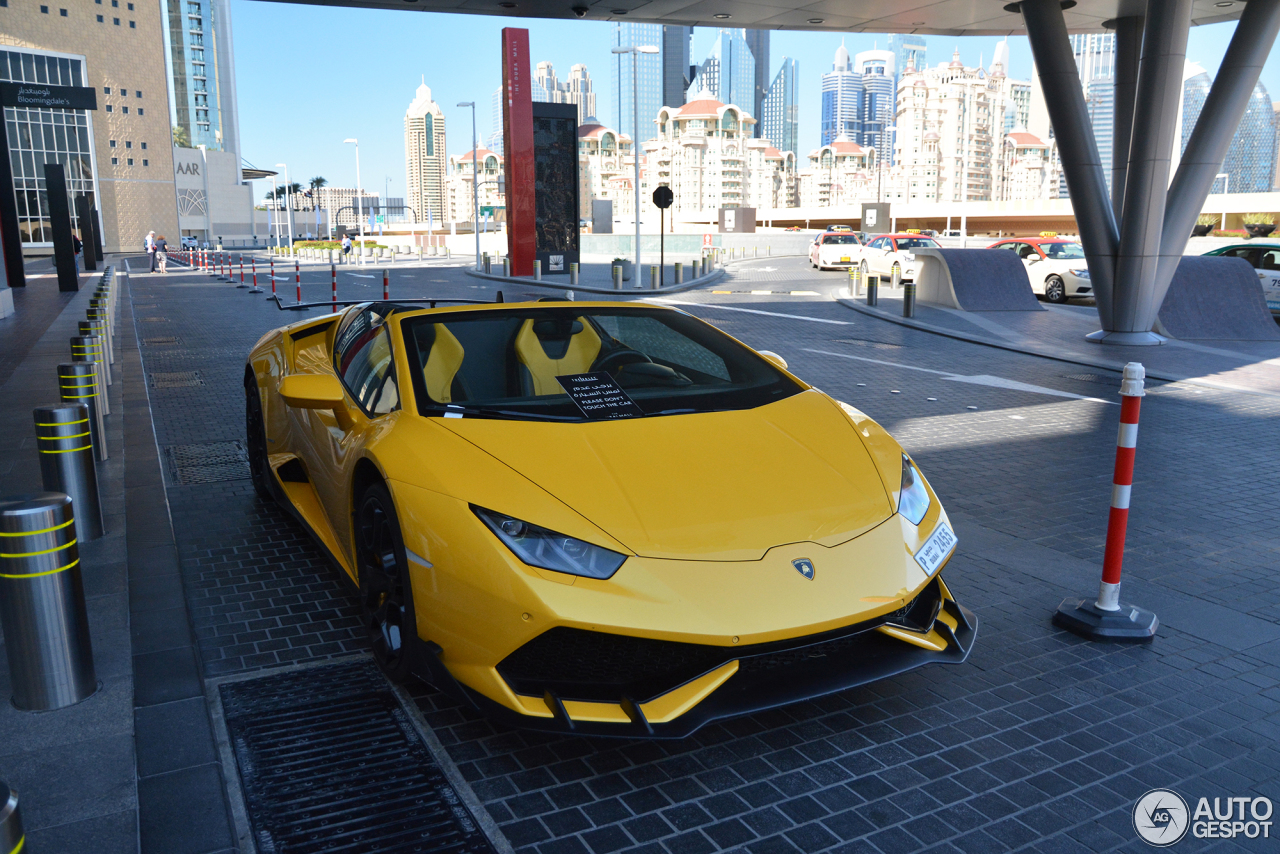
{"x": 780, "y": 113}
{"x": 202, "y": 95}
{"x": 1275, "y": 154}
{"x": 728, "y": 74}
{"x": 841, "y": 99}
{"x": 1095, "y": 55}
{"x": 908, "y": 51}
{"x": 605, "y": 169}
{"x": 858, "y": 98}
{"x": 575, "y": 90}
{"x": 459, "y": 196}
{"x": 494, "y": 141}
{"x": 758, "y": 43}
{"x": 424, "y": 156}
{"x": 875, "y": 67}
{"x": 343, "y": 207}
{"x": 1250, "y": 160}
{"x": 677, "y": 45}
{"x": 647, "y": 85}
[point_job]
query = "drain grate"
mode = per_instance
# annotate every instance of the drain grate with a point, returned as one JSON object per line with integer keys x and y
{"x": 330, "y": 762}
{"x": 162, "y": 341}
{"x": 175, "y": 379}
{"x": 864, "y": 342}
{"x": 154, "y": 319}
{"x": 211, "y": 463}
{"x": 146, "y": 305}
{"x": 1101, "y": 379}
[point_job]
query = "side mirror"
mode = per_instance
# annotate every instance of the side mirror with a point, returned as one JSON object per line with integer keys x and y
{"x": 311, "y": 391}
{"x": 1032, "y": 259}
{"x": 774, "y": 357}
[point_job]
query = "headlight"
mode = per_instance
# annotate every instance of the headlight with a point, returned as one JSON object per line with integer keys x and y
{"x": 539, "y": 547}
{"x": 913, "y": 497}
{"x": 1083, "y": 274}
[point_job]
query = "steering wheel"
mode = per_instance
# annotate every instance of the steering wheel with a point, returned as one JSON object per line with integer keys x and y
{"x": 615, "y": 359}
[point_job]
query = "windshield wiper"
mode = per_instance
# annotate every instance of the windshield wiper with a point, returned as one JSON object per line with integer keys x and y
{"x": 454, "y": 411}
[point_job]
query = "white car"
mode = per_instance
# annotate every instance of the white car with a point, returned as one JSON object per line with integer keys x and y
{"x": 886, "y": 251}
{"x": 1056, "y": 268}
{"x": 1265, "y": 260}
{"x": 834, "y": 249}
{"x": 189, "y": 241}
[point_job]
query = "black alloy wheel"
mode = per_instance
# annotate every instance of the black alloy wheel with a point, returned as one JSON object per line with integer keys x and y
{"x": 386, "y": 598}
{"x": 1054, "y": 289}
{"x": 256, "y": 439}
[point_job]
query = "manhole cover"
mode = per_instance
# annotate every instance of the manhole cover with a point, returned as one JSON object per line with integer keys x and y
{"x": 161, "y": 341}
{"x": 216, "y": 461}
{"x": 329, "y": 762}
{"x": 154, "y": 319}
{"x": 863, "y": 342}
{"x": 175, "y": 379}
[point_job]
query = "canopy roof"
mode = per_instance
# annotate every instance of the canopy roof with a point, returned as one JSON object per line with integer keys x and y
{"x": 944, "y": 17}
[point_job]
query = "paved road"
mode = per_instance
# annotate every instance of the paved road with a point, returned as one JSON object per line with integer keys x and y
{"x": 1041, "y": 741}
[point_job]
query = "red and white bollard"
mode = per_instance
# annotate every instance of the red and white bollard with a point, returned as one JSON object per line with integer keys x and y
{"x": 253, "y": 263}
{"x": 297, "y": 281}
{"x": 242, "y": 284}
{"x": 1107, "y": 618}
{"x": 333, "y": 278}
{"x": 386, "y": 285}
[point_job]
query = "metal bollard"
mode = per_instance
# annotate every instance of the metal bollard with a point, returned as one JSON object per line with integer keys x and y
{"x": 909, "y": 299}
{"x": 88, "y": 348}
{"x": 678, "y": 274}
{"x": 99, "y": 314}
{"x": 108, "y": 315}
{"x": 64, "y": 441}
{"x": 91, "y": 327}
{"x": 11, "y": 836}
{"x": 873, "y": 290}
{"x": 537, "y": 271}
{"x": 617, "y": 277}
{"x": 653, "y": 277}
{"x": 488, "y": 264}
{"x": 506, "y": 266}
{"x": 78, "y": 383}
{"x": 895, "y": 277}
{"x": 573, "y": 272}
{"x": 46, "y": 629}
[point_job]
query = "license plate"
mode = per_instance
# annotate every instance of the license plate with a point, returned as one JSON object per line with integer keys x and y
{"x": 935, "y": 549}
{"x": 844, "y": 259}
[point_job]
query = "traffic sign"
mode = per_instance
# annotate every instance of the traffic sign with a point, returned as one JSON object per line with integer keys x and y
{"x": 663, "y": 197}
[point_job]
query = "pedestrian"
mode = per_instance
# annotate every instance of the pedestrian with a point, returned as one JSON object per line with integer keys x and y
{"x": 151, "y": 249}
{"x": 346, "y": 248}
{"x": 162, "y": 253}
{"x": 77, "y": 247}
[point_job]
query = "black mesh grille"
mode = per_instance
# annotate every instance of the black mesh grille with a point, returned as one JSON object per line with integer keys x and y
{"x": 582, "y": 665}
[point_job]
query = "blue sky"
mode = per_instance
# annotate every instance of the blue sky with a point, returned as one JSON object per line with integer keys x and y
{"x": 309, "y": 77}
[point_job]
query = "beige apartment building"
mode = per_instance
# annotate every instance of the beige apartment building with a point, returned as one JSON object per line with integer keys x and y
{"x": 121, "y": 152}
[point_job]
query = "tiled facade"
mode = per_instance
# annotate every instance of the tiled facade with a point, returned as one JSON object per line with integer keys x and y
{"x": 122, "y": 45}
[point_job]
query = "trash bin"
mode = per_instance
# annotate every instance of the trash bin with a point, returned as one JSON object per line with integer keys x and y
{"x": 42, "y": 611}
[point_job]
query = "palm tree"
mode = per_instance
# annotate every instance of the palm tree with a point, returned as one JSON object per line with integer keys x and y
{"x": 180, "y": 138}
{"x": 318, "y": 182}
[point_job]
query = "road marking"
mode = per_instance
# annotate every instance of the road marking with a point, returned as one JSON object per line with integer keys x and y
{"x": 749, "y": 311}
{"x": 360, "y": 276}
{"x": 980, "y": 379}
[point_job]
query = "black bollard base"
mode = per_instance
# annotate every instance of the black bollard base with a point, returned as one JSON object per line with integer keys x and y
{"x": 1083, "y": 617}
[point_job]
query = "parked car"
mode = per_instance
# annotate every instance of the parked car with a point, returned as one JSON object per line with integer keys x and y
{"x": 793, "y": 228}
{"x": 884, "y": 252}
{"x": 834, "y": 249}
{"x": 1056, "y": 267}
{"x": 189, "y": 241}
{"x": 839, "y": 228}
{"x": 1263, "y": 257}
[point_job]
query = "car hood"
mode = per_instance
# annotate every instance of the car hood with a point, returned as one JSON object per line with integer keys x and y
{"x": 705, "y": 486}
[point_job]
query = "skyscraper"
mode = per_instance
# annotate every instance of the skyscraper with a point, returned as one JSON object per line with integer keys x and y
{"x": 202, "y": 97}
{"x": 780, "y": 112}
{"x": 858, "y": 99}
{"x": 1250, "y": 159}
{"x": 576, "y": 90}
{"x": 676, "y": 49}
{"x": 494, "y": 141}
{"x": 758, "y": 44}
{"x": 908, "y": 50}
{"x": 1095, "y": 55}
{"x": 648, "y": 79}
{"x": 424, "y": 155}
{"x": 841, "y": 99}
{"x": 875, "y": 68}
{"x": 728, "y": 74}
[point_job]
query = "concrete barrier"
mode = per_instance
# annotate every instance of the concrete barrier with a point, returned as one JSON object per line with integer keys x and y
{"x": 975, "y": 280}
{"x": 1216, "y": 298}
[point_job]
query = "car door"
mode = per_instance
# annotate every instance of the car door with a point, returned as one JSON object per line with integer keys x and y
{"x": 363, "y": 363}
{"x": 877, "y": 252}
{"x": 1269, "y": 275}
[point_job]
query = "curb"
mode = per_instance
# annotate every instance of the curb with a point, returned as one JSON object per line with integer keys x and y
{"x": 713, "y": 276}
{"x": 1044, "y": 354}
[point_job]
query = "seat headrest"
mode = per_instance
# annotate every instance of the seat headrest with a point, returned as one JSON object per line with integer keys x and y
{"x": 557, "y": 329}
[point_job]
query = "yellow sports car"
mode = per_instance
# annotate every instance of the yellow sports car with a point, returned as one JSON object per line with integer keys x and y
{"x": 608, "y": 518}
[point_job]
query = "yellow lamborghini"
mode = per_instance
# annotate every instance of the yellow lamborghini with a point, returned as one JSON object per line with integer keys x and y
{"x": 609, "y": 518}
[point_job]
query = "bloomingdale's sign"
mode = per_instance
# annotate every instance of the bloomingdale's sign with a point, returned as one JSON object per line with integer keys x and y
{"x": 40, "y": 95}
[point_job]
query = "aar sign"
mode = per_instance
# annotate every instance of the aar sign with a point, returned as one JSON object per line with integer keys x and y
{"x": 40, "y": 95}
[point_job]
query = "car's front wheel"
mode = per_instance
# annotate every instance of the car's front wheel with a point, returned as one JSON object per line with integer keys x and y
{"x": 256, "y": 440}
{"x": 386, "y": 598}
{"x": 1054, "y": 289}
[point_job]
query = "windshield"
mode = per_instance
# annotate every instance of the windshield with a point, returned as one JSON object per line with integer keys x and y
{"x": 906, "y": 244}
{"x": 832, "y": 239}
{"x": 518, "y": 363}
{"x": 1063, "y": 250}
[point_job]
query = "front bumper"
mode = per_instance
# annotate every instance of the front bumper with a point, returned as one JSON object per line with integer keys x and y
{"x": 729, "y": 682}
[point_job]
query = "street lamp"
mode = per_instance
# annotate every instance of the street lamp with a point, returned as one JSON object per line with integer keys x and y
{"x": 475, "y": 180}
{"x": 635, "y": 51}
{"x": 359, "y": 192}
{"x": 288, "y": 201}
